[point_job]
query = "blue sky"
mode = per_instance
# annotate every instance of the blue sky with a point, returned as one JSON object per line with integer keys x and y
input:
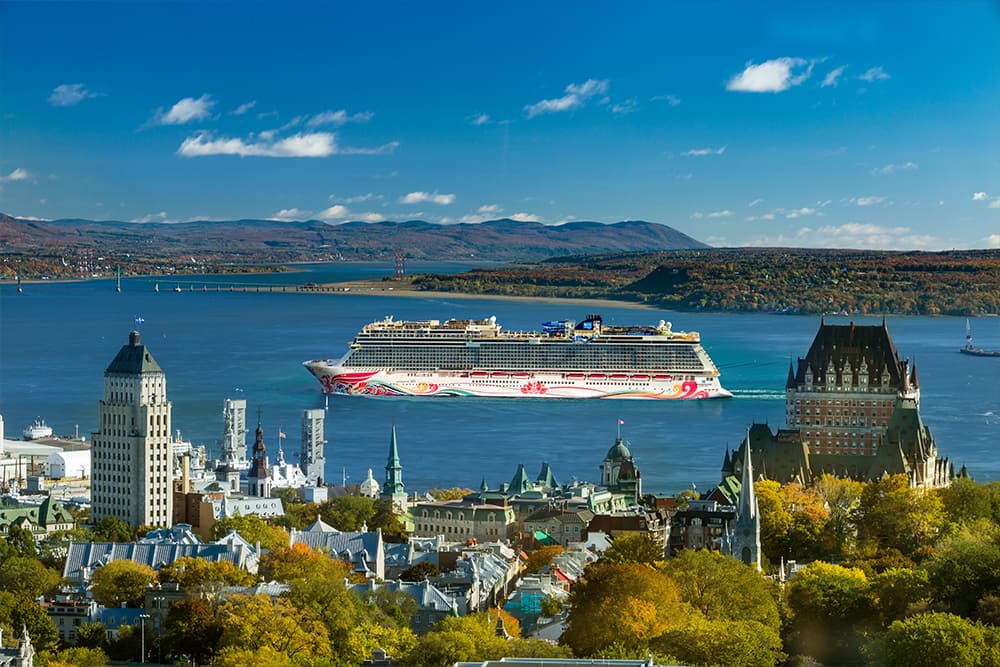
{"x": 848, "y": 124}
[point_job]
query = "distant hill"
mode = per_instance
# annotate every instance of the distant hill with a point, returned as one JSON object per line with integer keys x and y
{"x": 268, "y": 240}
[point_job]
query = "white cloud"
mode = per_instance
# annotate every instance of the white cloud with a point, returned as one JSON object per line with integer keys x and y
{"x": 243, "y": 108}
{"x": 832, "y": 77}
{"x": 17, "y": 174}
{"x": 628, "y": 106}
{"x": 869, "y": 201}
{"x": 490, "y": 208}
{"x": 482, "y": 214}
{"x": 354, "y": 200}
{"x": 874, "y": 74}
{"x": 525, "y": 217}
{"x": 335, "y": 212}
{"x": 992, "y": 241}
{"x": 314, "y": 144}
{"x": 370, "y": 217}
{"x": 290, "y": 214}
{"x": 799, "y": 212}
{"x": 720, "y": 214}
{"x": 893, "y": 168}
{"x": 186, "y": 110}
{"x": 858, "y": 235}
{"x": 339, "y": 117}
{"x": 672, "y": 100}
{"x": 69, "y": 94}
{"x": 480, "y": 119}
{"x": 765, "y": 216}
{"x": 979, "y": 196}
{"x": 995, "y": 203}
{"x": 700, "y": 152}
{"x": 576, "y": 95}
{"x": 152, "y": 217}
{"x": 420, "y": 197}
{"x": 771, "y": 76}
{"x": 755, "y": 202}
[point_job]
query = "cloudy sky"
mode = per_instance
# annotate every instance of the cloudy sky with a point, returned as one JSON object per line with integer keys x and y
{"x": 860, "y": 124}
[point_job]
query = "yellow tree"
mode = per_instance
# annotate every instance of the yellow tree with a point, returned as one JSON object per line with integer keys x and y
{"x": 122, "y": 582}
{"x": 256, "y": 623}
{"x": 625, "y": 605}
{"x": 192, "y": 572}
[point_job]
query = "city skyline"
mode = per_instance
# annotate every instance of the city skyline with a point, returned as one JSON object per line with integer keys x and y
{"x": 867, "y": 125}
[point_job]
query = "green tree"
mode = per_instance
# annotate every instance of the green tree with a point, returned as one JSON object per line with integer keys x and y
{"x": 827, "y": 604}
{"x": 892, "y": 515}
{"x": 541, "y": 557}
{"x": 467, "y": 639}
{"x": 708, "y": 643}
{"x": 897, "y": 592}
{"x": 723, "y": 588}
{"x": 939, "y": 640}
{"x": 193, "y": 630}
{"x": 551, "y": 606}
{"x": 965, "y": 568}
{"x": 27, "y": 576}
{"x": 19, "y": 611}
{"x": 122, "y": 582}
{"x": 253, "y": 529}
{"x": 634, "y": 548}
{"x": 79, "y": 656}
{"x": 112, "y": 529}
{"x": 965, "y": 500}
{"x": 23, "y": 541}
{"x": 627, "y": 604}
{"x": 396, "y": 608}
{"x": 367, "y": 636}
{"x": 348, "y": 513}
{"x": 92, "y": 635}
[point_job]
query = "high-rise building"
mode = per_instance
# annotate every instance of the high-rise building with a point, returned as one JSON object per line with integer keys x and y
{"x": 311, "y": 458}
{"x": 234, "y": 438}
{"x": 132, "y": 470}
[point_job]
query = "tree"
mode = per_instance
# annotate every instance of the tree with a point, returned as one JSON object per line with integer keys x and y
{"x": 253, "y": 529}
{"x": 79, "y": 656}
{"x": 892, "y": 515}
{"x": 635, "y": 548}
{"x": 827, "y": 602}
{"x": 256, "y": 623}
{"x": 551, "y": 606}
{"x": 92, "y": 635}
{"x": 965, "y": 500}
{"x": 122, "y": 581}
{"x": 939, "y": 640}
{"x": 897, "y": 591}
{"x": 18, "y": 611}
{"x": 627, "y": 604}
{"x": 26, "y": 575}
{"x": 348, "y": 513}
{"x": 193, "y": 629}
{"x": 454, "y": 493}
{"x": 467, "y": 639}
{"x": 112, "y": 529}
{"x": 723, "y": 588}
{"x": 541, "y": 557}
{"x": 965, "y": 568}
{"x": 368, "y": 636}
{"x": 192, "y": 572}
{"x": 23, "y": 541}
{"x": 706, "y": 643}
{"x": 396, "y": 608}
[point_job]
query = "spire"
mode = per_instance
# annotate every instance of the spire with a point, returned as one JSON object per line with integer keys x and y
{"x": 748, "y": 499}
{"x": 790, "y": 382}
{"x": 913, "y": 376}
{"x": 519, "y": 483}
{"x": 258, "y": 466}
{"x": 393, "y": 487}
{"x": 727, "y": 464}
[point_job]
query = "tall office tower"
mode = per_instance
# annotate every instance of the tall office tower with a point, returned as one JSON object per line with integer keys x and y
{"x": 132, "y": 471}
{"x": 234, "y": 439}
{"x": 312, "y": 459}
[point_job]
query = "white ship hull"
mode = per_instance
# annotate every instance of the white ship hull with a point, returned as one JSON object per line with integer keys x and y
{"x": 336, "y": 379}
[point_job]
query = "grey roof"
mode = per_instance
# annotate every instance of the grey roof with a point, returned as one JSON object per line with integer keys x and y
{"x": 84, "y": 557}
{"x": 364, "y": 550}
{"x": 133, "y": 358}
{"x": 427, "y": 596}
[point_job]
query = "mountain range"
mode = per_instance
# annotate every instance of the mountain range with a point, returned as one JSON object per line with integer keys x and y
{"x": 502, "y": 240}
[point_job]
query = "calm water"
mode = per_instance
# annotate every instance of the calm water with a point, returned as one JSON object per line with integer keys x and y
{"x": 57, "y": 339}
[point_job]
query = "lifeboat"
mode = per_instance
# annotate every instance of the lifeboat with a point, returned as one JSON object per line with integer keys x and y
{"x": 641, "y": 378}
{"x": 619, "y": 376}
{"x": 576, "y": 376}
{"x": 596, "y": 376}
{"x": 520, "y": 376}
{"x": 480, "y": 374}
{"x": 662, "y": 377}
{"x": 499, "y": 375}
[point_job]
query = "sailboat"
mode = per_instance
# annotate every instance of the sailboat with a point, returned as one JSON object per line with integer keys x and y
{"x": 20, "y": 288}
{"x": 971, "y": 349}
{"x": 156, "y": 287}
{"x": 118, "y": 280}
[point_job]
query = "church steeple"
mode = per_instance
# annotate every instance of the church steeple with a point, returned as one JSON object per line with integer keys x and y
{"x": 259, "y": 477}
{"x": 746, "y": 538}
{"x": 393, "y": 487}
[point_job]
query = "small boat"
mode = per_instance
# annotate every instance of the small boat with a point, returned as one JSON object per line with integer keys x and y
{"x": 662, "y": 377}
{"x": 619, "y": 376}
{"x": 576, "y": 376}
{"x": 480, "y": 374}
{"x": 641, "y": 378}
{"x": 177, "y": 289}
{"x": 596, "y": 376}
{"x": 37, "y": 429}
{"x": 499, "y": 374}
{"x": 521, "y": 376}
{"x": 156, "y": 287}
{"x": 975, "y": 351}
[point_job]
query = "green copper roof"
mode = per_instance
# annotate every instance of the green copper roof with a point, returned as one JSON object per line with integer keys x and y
{"x": 133, "y": 359}
{"x": 618, "y": 451}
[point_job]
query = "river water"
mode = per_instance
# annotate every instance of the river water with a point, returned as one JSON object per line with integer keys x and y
{"x": 56, "y": 339}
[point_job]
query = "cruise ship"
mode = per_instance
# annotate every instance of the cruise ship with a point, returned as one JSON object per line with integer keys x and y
{"x": 564, "y": 360}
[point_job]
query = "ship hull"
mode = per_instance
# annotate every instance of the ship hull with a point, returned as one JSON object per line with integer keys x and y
{"x": 337, "y": 379}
